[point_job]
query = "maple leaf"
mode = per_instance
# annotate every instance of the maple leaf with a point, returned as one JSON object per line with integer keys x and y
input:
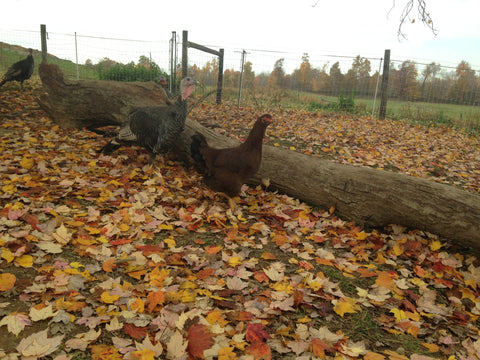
{"x": 199, "y": 340}
{"x": 15, "y": 322}
{"x": 176, "y": 346}
{"x": 81, "y": 341}
{"x": 147, "y": 345}
{"x": 41, "y": 312}
{"x": 39, "y": 345}
{"x": 346, "y": 305}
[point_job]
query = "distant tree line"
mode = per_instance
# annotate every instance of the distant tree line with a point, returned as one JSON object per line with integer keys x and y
{"x": 432, "y": 84}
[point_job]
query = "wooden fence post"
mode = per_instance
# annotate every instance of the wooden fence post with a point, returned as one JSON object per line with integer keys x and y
{"x": 384, "y": 90}
{"x": 43, "y": 35}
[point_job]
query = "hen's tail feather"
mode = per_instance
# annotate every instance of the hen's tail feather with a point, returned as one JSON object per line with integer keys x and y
{"x": 109, "y": 148}
{"x": 198, "y": 140}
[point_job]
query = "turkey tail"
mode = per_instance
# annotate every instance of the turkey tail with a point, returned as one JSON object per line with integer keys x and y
{"x": 198, "y": 140}
{"x": 3, "y": 82}
{"x": 109, "y": 148}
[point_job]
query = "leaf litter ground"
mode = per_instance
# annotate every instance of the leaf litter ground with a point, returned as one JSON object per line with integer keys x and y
{"x": 102, "y": 257}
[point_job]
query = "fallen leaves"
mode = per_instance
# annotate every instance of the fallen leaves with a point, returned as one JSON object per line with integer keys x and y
{"x": 115, "y": 261}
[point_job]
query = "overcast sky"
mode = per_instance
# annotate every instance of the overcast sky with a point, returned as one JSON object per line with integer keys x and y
{"x": 340, "y": 27}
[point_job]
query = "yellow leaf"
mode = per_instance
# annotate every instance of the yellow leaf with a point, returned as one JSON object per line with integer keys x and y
{"x": 27, "y": 162}
{"x": 166, "y": 227}
{"x": 138, "y": 305}
{"x": 398, "y": 249}
{"x": 431, "y": 347}
{"x": 399, "y": 314}
{"x": 435, "y": 245}
{"x": 7, "y": 255}
{"x": 76, "y": 265}
{"x": 24, "y": 261}
{"x": 170, "y": 242}
{"x": 124, "y": 227}
{"x": 346, "y": 305}
{"x": 361, "y": 235}
{"x": 234, "y": 261}
{"x": 107, "y": 298}
{"x": 227, "y": 353}
{"x": 145, "y": 354}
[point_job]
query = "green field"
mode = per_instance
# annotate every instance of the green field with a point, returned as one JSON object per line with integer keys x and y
{"x": 460, "y": 116}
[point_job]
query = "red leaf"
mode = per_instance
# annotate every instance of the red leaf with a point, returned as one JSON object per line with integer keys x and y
{"x": 199, "y": 340}
{"x": 256, "y": 332}
{"x": 259, "y": 350}
{"x": 138, "y": 333}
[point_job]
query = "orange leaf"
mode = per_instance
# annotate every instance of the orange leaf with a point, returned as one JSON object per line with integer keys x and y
{"x": 7, "y": 281}
{"x": 154, "y": 299}
{"x": 109, "y": 265}
{"x": 212, "y": 249}
{"x": 259, "y": 350}
{"x": 318, "y": 348}
{"x": 384, "y": 279}
{"x": 268, "y": 256}
{"x": 203, "y": 274}
{"x": 199, "y": 340}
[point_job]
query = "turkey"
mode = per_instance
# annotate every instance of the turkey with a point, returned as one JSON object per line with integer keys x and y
{"x": 162, "y": 80}
{"x": 20, "y": 71}
{"x": 155, "y": 128}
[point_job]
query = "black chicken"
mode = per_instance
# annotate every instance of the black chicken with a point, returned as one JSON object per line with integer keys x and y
{"x": 156, "y": 128}
{"x": 226, "y": 170}
{"x": 20, "y": 71}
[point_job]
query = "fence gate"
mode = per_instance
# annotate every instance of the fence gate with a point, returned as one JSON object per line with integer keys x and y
{"x": 188, "y": 44}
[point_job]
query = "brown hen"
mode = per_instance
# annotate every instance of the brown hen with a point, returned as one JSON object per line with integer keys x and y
{"x": 225, "y": 170}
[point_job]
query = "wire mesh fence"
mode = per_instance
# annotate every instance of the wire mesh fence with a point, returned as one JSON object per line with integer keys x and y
{"x": 265, "y": 74}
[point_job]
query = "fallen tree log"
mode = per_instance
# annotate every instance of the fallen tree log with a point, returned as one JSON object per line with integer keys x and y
{"x": 369, "y": 197}
{"x": 93, "y": 103}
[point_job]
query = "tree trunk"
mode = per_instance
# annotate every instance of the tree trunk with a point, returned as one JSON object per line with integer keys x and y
{"x": 93, "y": 103}
{"x": 372, "y": 198}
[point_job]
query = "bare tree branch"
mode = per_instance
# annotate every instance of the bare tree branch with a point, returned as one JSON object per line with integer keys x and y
{"x": 423, "y": 15}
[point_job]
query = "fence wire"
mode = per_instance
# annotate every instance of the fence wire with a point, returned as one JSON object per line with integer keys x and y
{"x": 328, "y": 75}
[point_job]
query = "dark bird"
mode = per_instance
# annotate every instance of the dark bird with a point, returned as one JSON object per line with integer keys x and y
{"x": 226, "y": 170}
{"x": 20, "y": 71}
{"x": 156, "y": 128}
{"x": 162, "y": 80}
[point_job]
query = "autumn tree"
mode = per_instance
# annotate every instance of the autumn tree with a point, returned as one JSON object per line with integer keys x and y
{"x": 463, "y": 90}
{"x": 336, "y": 78}
{"x": 277, "y": 77}
{"x": 248, "y": 75}
{"x": 428, "y": 76}
{"x": 405, "y": 81}
{"x": 305, "y": 73}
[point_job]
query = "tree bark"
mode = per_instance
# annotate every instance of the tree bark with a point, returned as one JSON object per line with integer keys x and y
{"x": 369, "y": 197}
{"x": 93, "y": 103}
